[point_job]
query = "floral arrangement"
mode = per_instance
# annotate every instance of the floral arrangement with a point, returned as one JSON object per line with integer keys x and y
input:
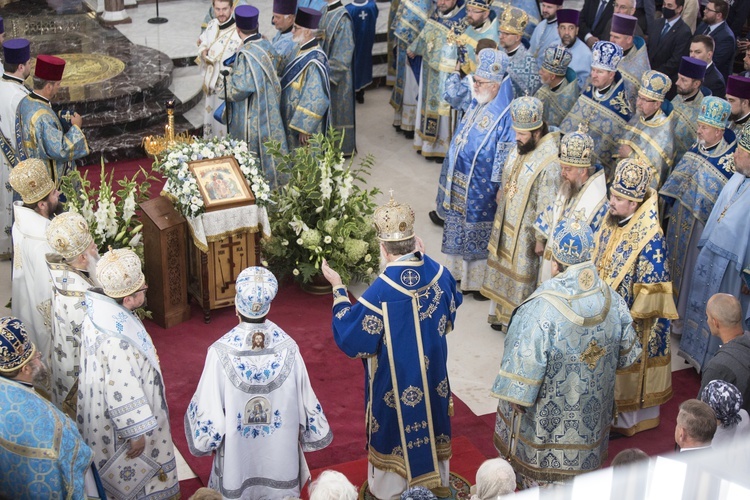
{"x": 108, "y": 211}
{"x": 181, "y": 185}
{"x": 322, "y": 213}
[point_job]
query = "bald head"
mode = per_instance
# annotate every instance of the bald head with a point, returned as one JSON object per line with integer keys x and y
{"x": 725, "y": 309}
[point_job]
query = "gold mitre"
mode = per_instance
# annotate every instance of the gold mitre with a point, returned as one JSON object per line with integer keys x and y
{"x": 394, "y": 221}
{"x": 30, "y": 178}
{"x": 68, "y": 234}
{"x": 119, "y": 272}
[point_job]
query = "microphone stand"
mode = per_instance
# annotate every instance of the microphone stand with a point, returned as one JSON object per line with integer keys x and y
{"x": 225, "y": 74}
{"x": 157, "y": 19}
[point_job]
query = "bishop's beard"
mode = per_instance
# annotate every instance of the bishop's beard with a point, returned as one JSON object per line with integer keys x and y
{"x": 569, "y": 189}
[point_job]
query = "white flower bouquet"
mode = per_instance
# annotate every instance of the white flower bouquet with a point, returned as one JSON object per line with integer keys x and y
{"x": 181, "y": 185}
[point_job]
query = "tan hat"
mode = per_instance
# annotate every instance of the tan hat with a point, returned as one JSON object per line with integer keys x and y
{"x": 119, "y": 272}
{"x": 68, "y": 234}
{"x": 30, "y": 178}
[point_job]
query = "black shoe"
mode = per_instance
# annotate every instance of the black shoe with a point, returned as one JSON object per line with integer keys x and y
{"x": 478, "y": 296}
{"x": 497, "y": 327}
{"x": 360, "y": 96}
{"x": 435, "y": 218}
{"x": 409, "y": 134}
{"x": 438, "y": 160}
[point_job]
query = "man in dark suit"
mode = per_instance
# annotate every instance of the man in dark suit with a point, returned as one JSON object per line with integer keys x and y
{"x": 702, "y": 47}
{"x": 714, "y": 25}
{"x": 593, "y": 21}
{"x": 669, "y": 40}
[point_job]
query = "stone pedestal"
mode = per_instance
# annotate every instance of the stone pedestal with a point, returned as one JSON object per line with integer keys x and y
{"x": 114, "y": 13}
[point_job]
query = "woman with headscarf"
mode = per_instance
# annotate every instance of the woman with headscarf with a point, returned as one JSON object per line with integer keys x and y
{"x": 726, "y": 401}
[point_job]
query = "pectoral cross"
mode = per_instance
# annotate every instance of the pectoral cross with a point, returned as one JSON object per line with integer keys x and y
{"x": 362, "y": 15}
{"x": 511, "y": 189}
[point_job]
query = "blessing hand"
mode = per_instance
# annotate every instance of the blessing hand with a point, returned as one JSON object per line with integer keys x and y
{"x": 332, "y": 276}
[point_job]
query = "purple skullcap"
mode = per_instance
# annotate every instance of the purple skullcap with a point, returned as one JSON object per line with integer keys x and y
{"x": 553, "y": 2}
{"x": 308, "y": 18}
{"x": 691, "y": 67}
{"x": 624, "y": 24}
{"x": 17, "y": 51}
{"x": 567, "y": 16}
{"x": 738, "y": 86}
{"x": 284, "y": 7}
{"x": 246, "y": 17}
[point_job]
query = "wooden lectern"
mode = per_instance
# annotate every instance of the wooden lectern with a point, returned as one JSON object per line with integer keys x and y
{"x": 165, "y": 242}
{"x": 213, "y": 273}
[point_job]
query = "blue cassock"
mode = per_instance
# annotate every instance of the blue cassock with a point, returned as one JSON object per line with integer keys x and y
{"x": 723, "y": 265}
{"x": 42, "y": 453}
{"x": 398, "y": 328}
{"x": 545, "y": 34}
{"x": 254, "y": 94}
{"x": 39, "y": 134}
{"x": 313, "y": 4}
{"x": 364, "y": 15}
{"x": 285, "y": 50}
{"x": 338, "y": 44}
{"x": 305, "y": 94}
{"x": 471, "y": 175}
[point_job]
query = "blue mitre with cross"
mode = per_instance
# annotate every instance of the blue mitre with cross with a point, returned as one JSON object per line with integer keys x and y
{"x": 572, "y": 242}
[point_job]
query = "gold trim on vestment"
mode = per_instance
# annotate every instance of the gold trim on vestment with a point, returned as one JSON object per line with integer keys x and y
{"x": 51, "y": 453}
{"x": 519, "y": 378}
{"x": 653, "y": 300}
{"x": 641, "y": 426}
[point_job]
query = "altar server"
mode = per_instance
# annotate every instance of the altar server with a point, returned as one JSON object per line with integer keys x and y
{"x": 364, "y": 14}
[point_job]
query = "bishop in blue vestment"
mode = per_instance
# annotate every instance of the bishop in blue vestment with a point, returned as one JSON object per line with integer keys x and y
{"x": 398, "y": 328}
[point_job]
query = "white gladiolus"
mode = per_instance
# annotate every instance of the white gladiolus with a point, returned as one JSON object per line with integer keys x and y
{"x": 136, "y": 239}
{"x": 128, "y": 207}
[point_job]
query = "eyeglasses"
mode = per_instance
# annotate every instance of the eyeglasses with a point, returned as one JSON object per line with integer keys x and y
{"x": 711, "y": 10}
{"x": 477, "y": 82}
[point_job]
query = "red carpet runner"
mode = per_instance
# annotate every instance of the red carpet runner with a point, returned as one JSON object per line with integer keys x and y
{"x": 338, "y": 382}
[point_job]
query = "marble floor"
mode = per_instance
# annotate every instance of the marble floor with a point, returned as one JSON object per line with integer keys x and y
{"x": 475, "y": 349}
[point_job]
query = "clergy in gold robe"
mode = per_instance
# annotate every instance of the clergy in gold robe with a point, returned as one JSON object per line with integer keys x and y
{"x": 630, "y": 256}
{"x": 650, "y": 133}
{"x": 530, "y": 180}
{"x": 582, "y": 195}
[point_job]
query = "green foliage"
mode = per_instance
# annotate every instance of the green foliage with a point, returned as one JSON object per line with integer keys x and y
{"x": 322, "y": 213}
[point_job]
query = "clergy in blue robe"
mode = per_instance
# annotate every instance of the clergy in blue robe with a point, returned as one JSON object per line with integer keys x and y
{"x": 408, "y": 22}
{"x": 723, "y": 264}
{"x": 254, "y": 94}
{"x": 567, "y": 28}
{"x": 39, "y": 131}
{"x": 42, "y": 454}
{"x": 364, "y": 14}
{"x": 686, "y": 104}
{"x": 650, "y": 133}
{"x": 391, "y": 43}
{"x": 319, "y": 5}
{"x": 338, "y": 44}
{"x": 604, "y": 106}
{"x": 630, "y": 256}
{"x": 635, "y": 54}
{"x": 559, "y": 91}
{"x": 522, "y": 68}
{"x": 481, "y": 24}
{"x": 398, "y": 328}
{"x": 438, "y": 49}
{"x": 283, "y": 45}
{"x": 305, "y": 91}
{"x": 556, "y": 383}
{"x": 471, "y": 173}
{"x": 690, "y": 192}
{"x": 545, "y": 33}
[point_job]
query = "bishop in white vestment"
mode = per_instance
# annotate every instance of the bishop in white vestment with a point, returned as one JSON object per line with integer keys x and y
{"x": 71, "y": 267}
{"x": 122, "y": 408}
{"x": 254, "y": 408}
{"x": 31, "y": 289}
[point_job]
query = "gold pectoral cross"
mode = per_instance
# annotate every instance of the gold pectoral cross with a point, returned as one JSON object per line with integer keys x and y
{"x": 511, "y": 189}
